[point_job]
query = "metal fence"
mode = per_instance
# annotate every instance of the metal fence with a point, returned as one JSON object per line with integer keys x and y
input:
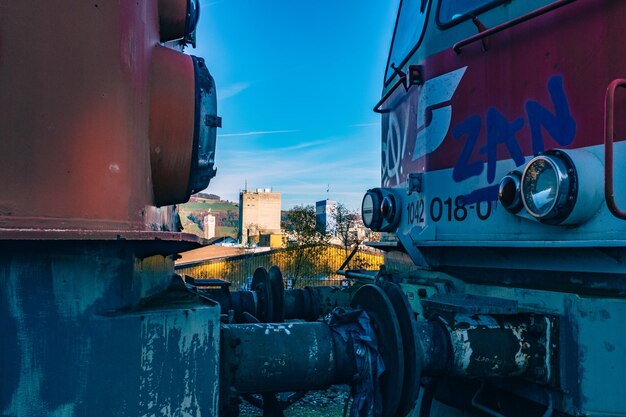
{"x": 315, "y": 265}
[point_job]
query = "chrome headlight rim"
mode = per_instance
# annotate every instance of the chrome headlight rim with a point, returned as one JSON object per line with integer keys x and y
{"x": 566, "y": 187}
{"x": 375, "y": 196}
{"x": 511, "y": 200}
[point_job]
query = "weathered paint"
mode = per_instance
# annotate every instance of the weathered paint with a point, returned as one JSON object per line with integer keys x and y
{"x": 260, "y": 358}
{"x": 89, "y": 330}
{"x": 589, "y": 357}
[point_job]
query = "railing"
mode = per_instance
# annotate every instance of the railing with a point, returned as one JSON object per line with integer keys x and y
{"x": 609, "y": 139}
{"x": 496, "y": 29}
{"x": 316, "y": 265}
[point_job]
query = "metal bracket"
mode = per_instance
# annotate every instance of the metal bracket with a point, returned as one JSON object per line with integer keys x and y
{"x": 415, "y": 77}
{"x": 213, "y": 121}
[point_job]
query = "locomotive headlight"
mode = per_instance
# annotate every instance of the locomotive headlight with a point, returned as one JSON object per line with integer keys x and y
{"x": 509, "y": 192}
{"x": 547, "y": 188}
{"x": 370, "y": 209}
{"x": 550, "y": 187}
{"x": 380, "y": 209}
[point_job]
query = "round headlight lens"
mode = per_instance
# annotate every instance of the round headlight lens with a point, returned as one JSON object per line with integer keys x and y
{"x": 541, "y": 186}
{"x": 367, "y": 210}
{"x": 548, "y": 192}
{"x": 509, "y": 192}
{"x": 387, "y": 208}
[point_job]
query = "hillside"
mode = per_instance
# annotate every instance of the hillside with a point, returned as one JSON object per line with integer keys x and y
{"x": 226, "y": 215}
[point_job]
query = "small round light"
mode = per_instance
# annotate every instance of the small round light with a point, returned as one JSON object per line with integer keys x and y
{"x": 509, "y": 193}
{"x": 547, "y": 189}
{"x": 387, "y": 208}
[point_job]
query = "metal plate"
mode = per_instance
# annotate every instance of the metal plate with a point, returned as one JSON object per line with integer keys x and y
{"x": 410, "y": 343}
{"x": 278, "y": 293}
{"x": 373, "y": 300}
{"x": 263, "y": 288}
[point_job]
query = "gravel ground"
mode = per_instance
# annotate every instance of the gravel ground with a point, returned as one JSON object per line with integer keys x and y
{"x": 329, "y": 403}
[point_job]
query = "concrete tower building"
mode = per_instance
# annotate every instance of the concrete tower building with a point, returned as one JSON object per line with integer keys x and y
{"x": 259, "y": 212}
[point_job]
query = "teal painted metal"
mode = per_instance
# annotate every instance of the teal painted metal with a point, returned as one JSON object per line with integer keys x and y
{"x": 89, "y": 329}
{"x": 590, "y": 354}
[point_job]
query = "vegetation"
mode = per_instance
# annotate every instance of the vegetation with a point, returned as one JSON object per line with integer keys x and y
{"x": 226, "y": 215}
{"x": 346, "y": 221}
{"x": 306, "y": 242}
{"x": 348, "y": 236}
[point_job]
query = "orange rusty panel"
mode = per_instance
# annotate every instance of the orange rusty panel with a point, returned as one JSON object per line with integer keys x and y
{"x": 172, "y": 113}
{"x": 74, "y": 113}
{"x": 173, "y": 19}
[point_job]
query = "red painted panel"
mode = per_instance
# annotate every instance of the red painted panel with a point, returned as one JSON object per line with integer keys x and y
{"x": 571, "y": 53}
{"x": 75, "y": 80}
{"x": 172, "y": 111}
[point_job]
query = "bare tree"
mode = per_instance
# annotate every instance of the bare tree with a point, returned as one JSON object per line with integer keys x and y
{"x": 346, "y": 222}
{"x": 307, "y": 244}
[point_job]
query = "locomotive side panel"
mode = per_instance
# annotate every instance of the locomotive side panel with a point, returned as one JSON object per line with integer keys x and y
{"x": 480, "y": 114}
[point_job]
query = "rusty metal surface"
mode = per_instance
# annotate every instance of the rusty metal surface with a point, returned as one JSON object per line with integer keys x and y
{"x": 172, "y": 112}
{"x": 172, "y": 19}
{"x": 75, "y": 114}
{"x": 81, "y": 148}
{"x": 141, "y": 243}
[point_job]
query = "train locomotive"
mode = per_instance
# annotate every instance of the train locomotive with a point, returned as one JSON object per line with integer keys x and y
{"x": 503, "y": 288}
{"x": 501, "y": 143}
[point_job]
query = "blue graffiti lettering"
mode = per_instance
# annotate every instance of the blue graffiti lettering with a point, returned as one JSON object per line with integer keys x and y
{"x": 463, "y": 169}
{"x": 500, "y": 131}
{"x": 560, "y": 125}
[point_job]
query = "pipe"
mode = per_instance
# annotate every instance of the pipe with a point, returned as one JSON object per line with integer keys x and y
{"x": 259, "y": 358}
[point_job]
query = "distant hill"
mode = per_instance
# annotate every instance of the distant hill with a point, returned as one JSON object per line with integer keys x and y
{"x": 207, "y": 196}
{"x": 226, "y": 215}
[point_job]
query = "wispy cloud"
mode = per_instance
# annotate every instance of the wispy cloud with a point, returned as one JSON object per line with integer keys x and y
{"x": 303, "y": 145}
{"x": 259, "y": 132}
{"x": 303, "y": 170}
{"x": 365, "y": 124}
{"x": 232, "y": 90}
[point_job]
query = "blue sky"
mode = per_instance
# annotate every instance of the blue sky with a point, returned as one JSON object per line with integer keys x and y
{"x": 296, "y": 83}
